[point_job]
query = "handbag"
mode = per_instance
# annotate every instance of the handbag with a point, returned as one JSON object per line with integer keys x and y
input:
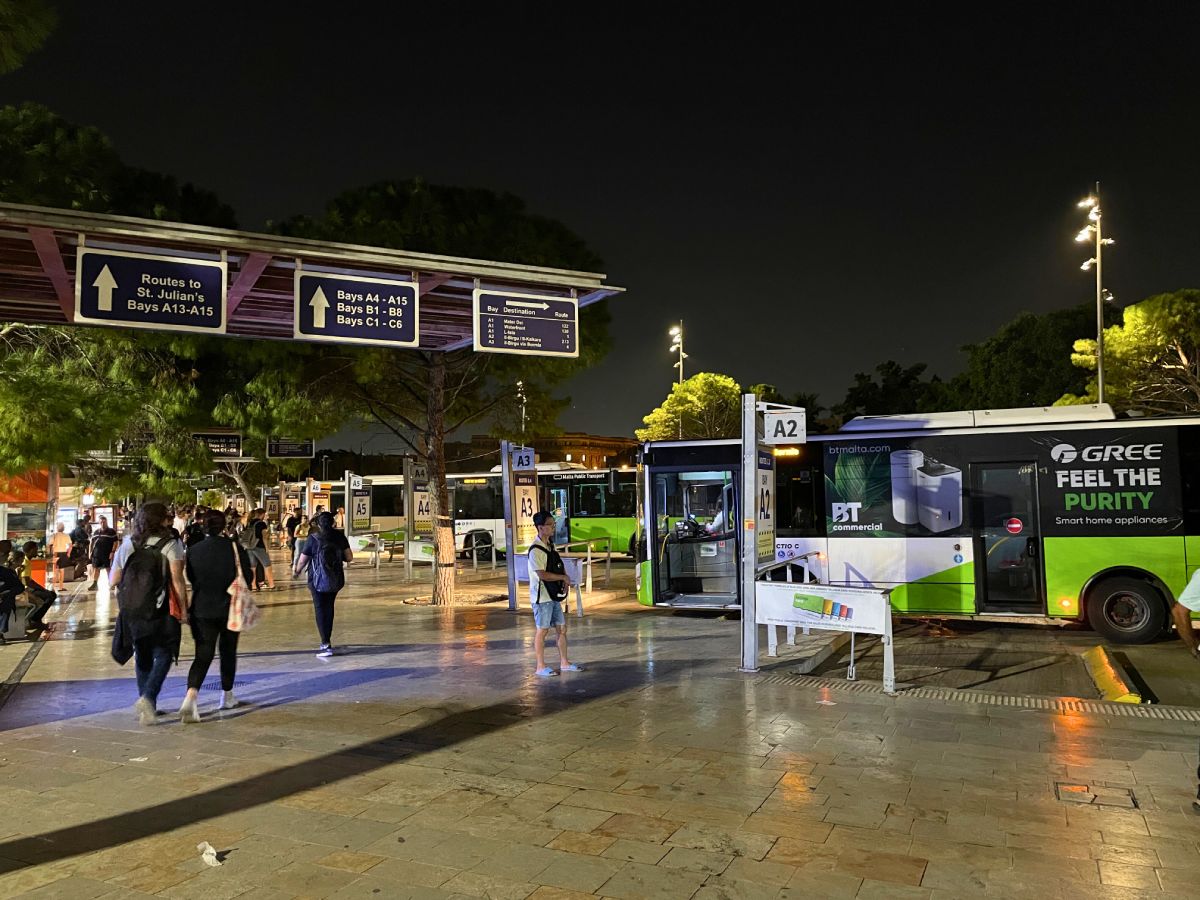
{"x": 243, "y": 611}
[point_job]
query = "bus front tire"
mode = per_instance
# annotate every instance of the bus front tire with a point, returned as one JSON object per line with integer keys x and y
{"x": 1126, "y": 610}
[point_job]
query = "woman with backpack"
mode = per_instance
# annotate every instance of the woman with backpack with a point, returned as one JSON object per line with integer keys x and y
{"x": 212, "y": 566}
{"x": 147, "y": 567}
{"x": 325, "y": 553}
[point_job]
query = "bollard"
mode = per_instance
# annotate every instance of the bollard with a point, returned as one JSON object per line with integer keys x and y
{"x": 589, "y": 567}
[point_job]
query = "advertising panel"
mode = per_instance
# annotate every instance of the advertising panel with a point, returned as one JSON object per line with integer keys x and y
{"x": 824, "y": 607}
{"x": 1089, "y": 482}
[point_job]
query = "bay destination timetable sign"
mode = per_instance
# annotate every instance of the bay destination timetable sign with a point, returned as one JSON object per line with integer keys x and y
{"x": 356, "y": 309}
{"x": 529, "y": 324}
{"x": 142, "y": 290}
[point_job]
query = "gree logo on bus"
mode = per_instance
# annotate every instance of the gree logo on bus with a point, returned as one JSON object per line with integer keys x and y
{"x": 1066, "y": 454}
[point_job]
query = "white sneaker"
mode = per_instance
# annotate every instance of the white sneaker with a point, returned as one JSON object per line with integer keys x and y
{"x": 188, "y": 714}
{"x": 146, "y": 712}
{"x": 228, "y": 701}
{"x": 325, "y": 651}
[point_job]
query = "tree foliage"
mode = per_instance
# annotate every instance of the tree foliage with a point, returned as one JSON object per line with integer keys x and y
{"x": 892, "y": 389}
{"x": 707, "y": 405}
{"x": 24, "y": 27}
{"x": 423, "y": 396}
{"x": 1151, "y": 359}
{"x": 65, "y": 392}
{"x": 47, "y": 161}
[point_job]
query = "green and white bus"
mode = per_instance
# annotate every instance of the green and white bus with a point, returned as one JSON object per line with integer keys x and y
{"x": 592, "y": 504}
{"x": 1040, "y": 515}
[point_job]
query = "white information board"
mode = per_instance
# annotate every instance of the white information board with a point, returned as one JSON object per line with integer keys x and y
{"x": 785, "y": 427}
{"x": 857, "y": 610}
{"x": 524, "y": 505}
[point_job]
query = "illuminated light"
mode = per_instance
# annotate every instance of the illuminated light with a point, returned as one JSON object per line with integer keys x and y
{"x": 1094, "y": 215}
{"x": 1088, "y": 265}
{"x": 474, "y": 481}
{"x": 1066, "y": 602}
{"x": 1085, "y": 204}
{"x": 1084, "y": 235}
{"x": 820, "y": 554}
{"x": 786, "y": 451}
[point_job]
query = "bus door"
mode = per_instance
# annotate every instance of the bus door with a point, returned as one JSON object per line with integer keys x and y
{"x": 562, "y": 515}
{"x": 695, "y": 538}
{"x": 1009, "y": 574}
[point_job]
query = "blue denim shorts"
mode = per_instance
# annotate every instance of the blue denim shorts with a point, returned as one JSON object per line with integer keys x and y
{"x": 548, "y": 615}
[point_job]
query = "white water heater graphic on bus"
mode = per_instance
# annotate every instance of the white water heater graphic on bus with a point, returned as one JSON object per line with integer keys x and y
{"x": 925, "y": 491}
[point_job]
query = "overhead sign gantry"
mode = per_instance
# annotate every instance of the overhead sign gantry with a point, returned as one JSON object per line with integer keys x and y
{"x": 65, "y": 267}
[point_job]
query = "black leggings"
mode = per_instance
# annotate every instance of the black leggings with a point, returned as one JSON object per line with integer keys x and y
{"x": 209, "y": 634}
{"x": 323, "y": 607}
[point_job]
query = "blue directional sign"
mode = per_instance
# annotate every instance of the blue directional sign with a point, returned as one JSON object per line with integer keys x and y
{"x": 354, "y": 309}
{"x": 139, "y": 290}
{"x": 530, "y": 324}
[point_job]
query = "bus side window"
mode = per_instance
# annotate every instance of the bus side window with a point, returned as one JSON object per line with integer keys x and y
{"x": 800, "y": 494}
{"x": 1189, "y": 466}
{"x": 624, "y": 502}
{"x": 589, "y": 500}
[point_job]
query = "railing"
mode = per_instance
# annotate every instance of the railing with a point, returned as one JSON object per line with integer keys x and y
{"x": 787, "y": 564}
{"x": 588, "y": 542}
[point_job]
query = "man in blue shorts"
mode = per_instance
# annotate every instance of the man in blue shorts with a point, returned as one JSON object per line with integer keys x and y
{"x": 548, "y": 585}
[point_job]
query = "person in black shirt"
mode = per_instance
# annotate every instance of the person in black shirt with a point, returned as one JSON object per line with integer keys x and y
{"x": 325, "y": 553}
{"x": 104, "y": 544}
{"x": 211, "y": 567}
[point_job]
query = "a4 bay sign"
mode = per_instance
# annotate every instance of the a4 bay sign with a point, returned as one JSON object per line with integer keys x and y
{"x": 141, "y": 290}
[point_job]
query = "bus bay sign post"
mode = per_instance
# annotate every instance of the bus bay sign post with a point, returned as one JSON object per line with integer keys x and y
{"x": 519, "y": 487}
{"x": 784, "y": 603}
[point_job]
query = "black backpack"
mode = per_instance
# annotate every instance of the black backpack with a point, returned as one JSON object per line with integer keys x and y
{"x": 326, "y": 565}
{"x": 554, "y": 564}
{"x": 142, "y": 593}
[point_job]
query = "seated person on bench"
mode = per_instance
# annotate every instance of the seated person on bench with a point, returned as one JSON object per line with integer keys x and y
{"x": 41, "y": 599}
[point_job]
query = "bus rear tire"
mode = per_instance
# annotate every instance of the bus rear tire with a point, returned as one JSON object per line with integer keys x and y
{"x": 1126, "y": 610}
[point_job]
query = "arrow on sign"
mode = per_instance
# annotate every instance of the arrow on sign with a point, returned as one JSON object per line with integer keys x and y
{"x": 319, "y": 304}
{"x": 104, "y": 284}
{"x": 530, "y": 305}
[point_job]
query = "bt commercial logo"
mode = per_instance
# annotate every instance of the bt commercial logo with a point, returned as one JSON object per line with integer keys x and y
{"x": 846, "y": 512}
{"x": 1065, "y": 454}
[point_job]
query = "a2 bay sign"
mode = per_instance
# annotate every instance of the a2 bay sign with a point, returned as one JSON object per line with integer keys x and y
{"x": 530, "y": 324}
{"x": 136, "y": 290}
{"x": 353, "y": 309}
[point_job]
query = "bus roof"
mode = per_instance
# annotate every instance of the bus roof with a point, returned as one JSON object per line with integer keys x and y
{"x": 982, "y": 418}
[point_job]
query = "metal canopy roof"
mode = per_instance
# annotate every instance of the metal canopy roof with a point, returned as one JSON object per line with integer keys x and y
{"x": 38, "y": 253}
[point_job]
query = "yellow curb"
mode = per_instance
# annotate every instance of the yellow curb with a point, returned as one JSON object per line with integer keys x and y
{"x": 1110, "y": 677}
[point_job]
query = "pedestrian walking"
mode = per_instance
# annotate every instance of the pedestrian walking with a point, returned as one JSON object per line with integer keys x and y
{"x": 325, "y": 553}
{"x": 100, "y": 554}
{"x": 298, "y": 535}
{"x": 147, "y": 567}
{"x": 254, "y": 538}
{"x": 548, "y": 587}
{"x": 212, "y": 566}
{"x": 60, "y": 554}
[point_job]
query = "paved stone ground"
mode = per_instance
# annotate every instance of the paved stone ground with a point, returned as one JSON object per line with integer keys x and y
{"x": 428, "y": 762}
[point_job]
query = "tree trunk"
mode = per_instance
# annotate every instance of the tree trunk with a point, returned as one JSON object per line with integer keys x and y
{"x": 439, "y": 496}
{"x": 234, "y": 471}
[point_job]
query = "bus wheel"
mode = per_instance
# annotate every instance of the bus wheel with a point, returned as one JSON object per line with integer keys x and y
{"x": 1126, "y": 610}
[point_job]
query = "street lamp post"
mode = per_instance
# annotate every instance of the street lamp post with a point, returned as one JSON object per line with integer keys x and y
{"x": 1092, "y": 231}
{"x": 521, "y": 400}
{"x": 676, "y": 334}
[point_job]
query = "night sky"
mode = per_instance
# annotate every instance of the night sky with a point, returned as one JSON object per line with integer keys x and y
{"x": 812, "y": 195}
